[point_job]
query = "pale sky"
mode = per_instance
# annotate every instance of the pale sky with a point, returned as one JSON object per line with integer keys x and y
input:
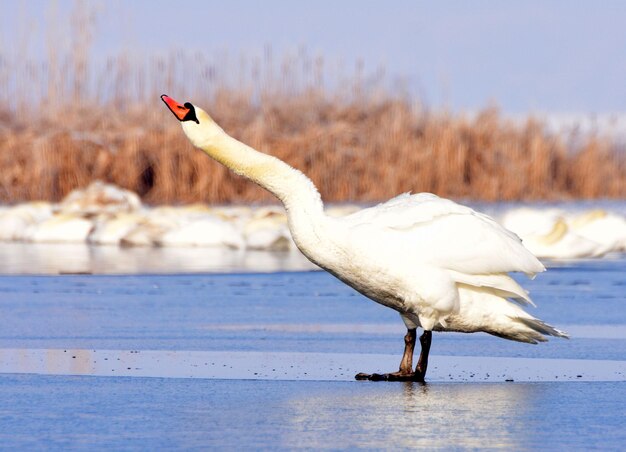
{"x": 524, "y": 55}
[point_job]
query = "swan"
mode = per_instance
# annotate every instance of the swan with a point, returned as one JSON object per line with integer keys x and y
{"x": 60, "y": 228}
{"x": 154, "y": 224}
{"x": 529, "y": 221}
{"x": 547, "y": 235}
{"x": 203, "y": 230}
{"x": 111, "y": 230}
{"x": 562, "y": 243}
{"x": 99, "y": 198}
{"x": 606, "y": 228}
{"x": 267, "y": 230}
{"x": 17, "y": 220}
{"x": 442, "y": 266}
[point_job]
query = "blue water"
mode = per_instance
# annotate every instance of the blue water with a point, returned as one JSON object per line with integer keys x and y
{"x": 188, "y": 312}
{"x": 308, "y": 312}
{"x": 45, "y": 412}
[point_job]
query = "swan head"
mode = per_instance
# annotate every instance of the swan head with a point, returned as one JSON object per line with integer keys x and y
{"x": 197, "y": 124}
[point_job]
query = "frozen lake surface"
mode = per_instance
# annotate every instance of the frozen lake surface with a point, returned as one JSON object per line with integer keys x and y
{"x": 267, "y": 360}
{"x": 88, "y": 413}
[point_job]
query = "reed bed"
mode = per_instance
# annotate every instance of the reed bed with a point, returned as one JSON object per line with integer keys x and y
{"x": 67, "y": 120}
{"x": 358, "y": 151}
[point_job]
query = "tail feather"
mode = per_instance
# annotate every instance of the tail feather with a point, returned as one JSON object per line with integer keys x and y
{"x": 531, "y": 331}
{"x": 501, "y": 283}
{"x": 487, "y": 309}
{"x": 541, "y": 327}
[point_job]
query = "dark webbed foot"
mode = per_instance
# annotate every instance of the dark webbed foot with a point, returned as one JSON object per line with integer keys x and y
{"x": 394, "y": 376}
{"x": 406, "y": 372}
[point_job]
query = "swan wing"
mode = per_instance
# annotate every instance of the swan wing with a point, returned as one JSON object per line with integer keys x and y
{"x": 423, "y": 229}
{"x": 406, "y": 210}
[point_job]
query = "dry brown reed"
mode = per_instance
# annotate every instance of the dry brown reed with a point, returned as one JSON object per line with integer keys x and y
{"x": 67, "y": 121}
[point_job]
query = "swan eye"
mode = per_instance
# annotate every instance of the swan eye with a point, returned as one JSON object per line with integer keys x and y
{"x": 191, "y": 114}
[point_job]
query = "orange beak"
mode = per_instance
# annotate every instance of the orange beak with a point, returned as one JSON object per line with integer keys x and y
{"x": 179, "y": 110}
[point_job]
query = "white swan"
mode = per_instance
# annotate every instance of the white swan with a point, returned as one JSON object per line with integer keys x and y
{"x": 606, "y": 228}
{"x": 547, "y": 235}
{"x": 60, "y": 228}
{"x": 267, "y": 230}
{"x": 561, "y": 243}
{"x": 203, "y": 230}
{"x": 99, "y": 198}
{"x": 111, "y": 230}
{"x": 17, "y": 221}
{"x": 155, "y": 223}
{"x": 441, "y": 265}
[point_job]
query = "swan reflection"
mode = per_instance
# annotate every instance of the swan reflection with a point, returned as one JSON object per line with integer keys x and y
{"x": 411, "y": 415}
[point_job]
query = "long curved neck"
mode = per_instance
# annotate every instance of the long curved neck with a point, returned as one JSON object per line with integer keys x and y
{"x": 294, "y": 189}
{"x": 301, "y": 199}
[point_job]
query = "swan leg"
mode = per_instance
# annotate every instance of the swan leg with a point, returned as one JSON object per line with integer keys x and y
{"x": 406, "y": 365}
{"x": 405, "y": 373}
{"x": 422, "y": 362}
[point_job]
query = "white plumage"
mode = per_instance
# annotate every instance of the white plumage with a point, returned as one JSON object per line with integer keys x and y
{"x": 546, "y": 234}
{"x": 203, "y": 230}
{"x": 441, "y": 265}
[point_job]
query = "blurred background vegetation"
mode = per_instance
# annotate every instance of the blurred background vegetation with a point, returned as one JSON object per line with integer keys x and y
{"x": 68, "y": 118}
